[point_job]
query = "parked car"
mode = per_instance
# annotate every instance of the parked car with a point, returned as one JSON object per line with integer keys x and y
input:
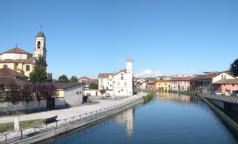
{"x": 235, "y": 93}
{"x": 218, "y": 93}
{"x": 227, "y": 93}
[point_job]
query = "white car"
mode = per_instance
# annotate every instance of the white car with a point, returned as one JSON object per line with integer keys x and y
{"x": 218, "y": 93}
{"x": 227, "y": 93}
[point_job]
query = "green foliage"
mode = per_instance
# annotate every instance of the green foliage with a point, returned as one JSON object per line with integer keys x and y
{"x": 23, "y": 124}
{"x": 93, "y": 86}
{"x": 74, "y": 79}
{"x": 234, "y": 68}
{"x": 102, "y": 91}
{"x": 148, "y": 97}
{"x": 63, "y": 79}
{"x": 39, "y": 74}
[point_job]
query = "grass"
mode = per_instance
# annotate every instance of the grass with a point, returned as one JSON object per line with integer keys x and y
{"x": 148, "y": 97}
{"x": 23, "y": 124}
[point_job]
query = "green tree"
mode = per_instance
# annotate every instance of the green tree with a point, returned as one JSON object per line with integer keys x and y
{"x": 74, "y": 79}
{"x": 39, "y": 73}
{"x": 102, "y": 91}
{"x": 234, "y": 68}
{"x": 63, "y": 79}
{"x": 93, "y": 86}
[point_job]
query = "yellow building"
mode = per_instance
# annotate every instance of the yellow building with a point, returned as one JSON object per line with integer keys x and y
{"x": 22, "y": 61}
{"x": 162, "y": 86}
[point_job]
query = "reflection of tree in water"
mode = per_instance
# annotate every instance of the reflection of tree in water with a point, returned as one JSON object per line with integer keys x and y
{"x": 126, "y": 118}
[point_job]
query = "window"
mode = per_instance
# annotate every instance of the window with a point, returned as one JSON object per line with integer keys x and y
{"x": 27, "y": 67}
{"x": 125, "y": 84}
{"x": 122, "y": 77}
{"x": 38, "y": 44}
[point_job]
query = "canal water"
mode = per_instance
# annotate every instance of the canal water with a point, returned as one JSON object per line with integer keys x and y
{"x": 167, "y": 119}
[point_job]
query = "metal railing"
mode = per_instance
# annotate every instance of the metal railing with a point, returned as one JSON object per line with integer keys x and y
{"x": 229, "y": 99}
{"x": 16, "y": 136}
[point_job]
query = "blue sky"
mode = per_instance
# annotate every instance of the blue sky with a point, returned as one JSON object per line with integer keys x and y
{"x": 85, "y": 37}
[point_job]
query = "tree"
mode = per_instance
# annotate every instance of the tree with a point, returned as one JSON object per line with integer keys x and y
{"x": 39, "y": 73}
{"x": 234, "y": 68}
{"x": 74, "y": 79}
{"x": 63, "y": 79}
{"x": 102, "y": 91}
{"x": 93, "y": 86}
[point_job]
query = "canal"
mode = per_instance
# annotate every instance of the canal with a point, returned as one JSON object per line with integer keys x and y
{"x": 167, "y": 119}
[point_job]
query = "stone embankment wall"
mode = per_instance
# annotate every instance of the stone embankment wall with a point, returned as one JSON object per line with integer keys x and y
{"x": 32, "y": 106}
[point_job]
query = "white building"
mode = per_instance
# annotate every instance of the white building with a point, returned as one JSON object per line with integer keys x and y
{"x": 118, "y": 84}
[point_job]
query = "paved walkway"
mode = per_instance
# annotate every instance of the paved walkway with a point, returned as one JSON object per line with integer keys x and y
{"x": 70, "y": 112}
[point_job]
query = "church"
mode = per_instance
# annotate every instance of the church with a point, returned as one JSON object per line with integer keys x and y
{"x": 22, "y": 61}
{"x": 119, "y": 84}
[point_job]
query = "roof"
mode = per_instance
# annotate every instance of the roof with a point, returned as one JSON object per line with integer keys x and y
{"x": 30, "y": 60}
{"x": 11, "y": 81}
{"x": 206, "y": 76}
{"x": 40, "y": 34}
{"x": 16, "y": 51}
{"x": 6, "y": 72}
{"x": 227, "y": 81}
{"x": 66, "y": 85}
{"x": 104, "y": 75}
{"x": 181, "y": 78}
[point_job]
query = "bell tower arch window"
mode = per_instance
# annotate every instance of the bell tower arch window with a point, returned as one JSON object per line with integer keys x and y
{"x": 38, "y": 44}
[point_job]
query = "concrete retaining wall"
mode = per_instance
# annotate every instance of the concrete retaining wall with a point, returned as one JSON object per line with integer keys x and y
{"x": 227, "y": 120}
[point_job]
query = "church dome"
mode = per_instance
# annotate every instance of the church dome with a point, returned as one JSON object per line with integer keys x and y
{"x": 40, "y": 34}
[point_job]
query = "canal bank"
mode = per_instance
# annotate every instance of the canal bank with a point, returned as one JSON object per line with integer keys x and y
{"x": 166, "y": 119}
{"x": 222, "y": 115}
{"x": 38, "y": 134}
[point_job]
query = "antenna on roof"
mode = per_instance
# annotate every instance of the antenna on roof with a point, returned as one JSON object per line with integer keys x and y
{"x": 16, "y": 45}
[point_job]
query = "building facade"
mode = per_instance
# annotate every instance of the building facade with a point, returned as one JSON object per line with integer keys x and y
{"x": 22, "y": 61}
{"x": 117, "y": 84}
{"x": 180, "y": 83}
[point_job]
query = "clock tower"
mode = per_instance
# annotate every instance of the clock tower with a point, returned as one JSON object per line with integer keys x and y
{"x": 40, "y": 46}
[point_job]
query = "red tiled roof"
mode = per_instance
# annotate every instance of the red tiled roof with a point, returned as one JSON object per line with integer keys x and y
{"x": 6, "y": 72}
{"x": 181, "y": 78}
{"x": 206, "y": 76}
{"x": 227, "y": 81}
{"x": 104, "y": 75}
{"x": 30, "y": 60}
{"x": 11, "y": 81}
{"x": 17, "y": 51}
{"x": 65, "y": 85}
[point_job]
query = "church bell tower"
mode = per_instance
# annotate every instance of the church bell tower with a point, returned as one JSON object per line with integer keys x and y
{"x": 40, "y": 46}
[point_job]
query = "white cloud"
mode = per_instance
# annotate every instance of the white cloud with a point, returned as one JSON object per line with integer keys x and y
{"x": 149, "y": 73}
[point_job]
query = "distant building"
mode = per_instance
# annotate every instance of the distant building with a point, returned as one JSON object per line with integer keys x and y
{"x": 118, "y": 84}
{"x": 226, "y": 85}
{"x": 180, "y": 83}
{"x": 162, "y": 86}
{"x": 205, "y": 83}
{"x": 87, "y": 80}
{"x": 11, "y": 80}
{"x": 72, "y": 93}
{"x": 22, "y": 61}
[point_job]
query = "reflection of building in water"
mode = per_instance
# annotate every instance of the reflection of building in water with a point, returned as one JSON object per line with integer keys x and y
{"x": 127, "y": 119}
{"x": 176, "y": 97}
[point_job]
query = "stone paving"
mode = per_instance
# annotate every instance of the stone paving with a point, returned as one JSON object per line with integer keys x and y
{"x": 69, "y": 112}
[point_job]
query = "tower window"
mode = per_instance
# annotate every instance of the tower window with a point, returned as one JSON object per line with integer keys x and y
{"x": 38, "y": 44}
{"x": 27, "y": 67}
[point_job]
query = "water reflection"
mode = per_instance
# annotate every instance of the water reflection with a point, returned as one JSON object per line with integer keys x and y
{"x": 127, "y": 119}
{"x": 180, "y": 98}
